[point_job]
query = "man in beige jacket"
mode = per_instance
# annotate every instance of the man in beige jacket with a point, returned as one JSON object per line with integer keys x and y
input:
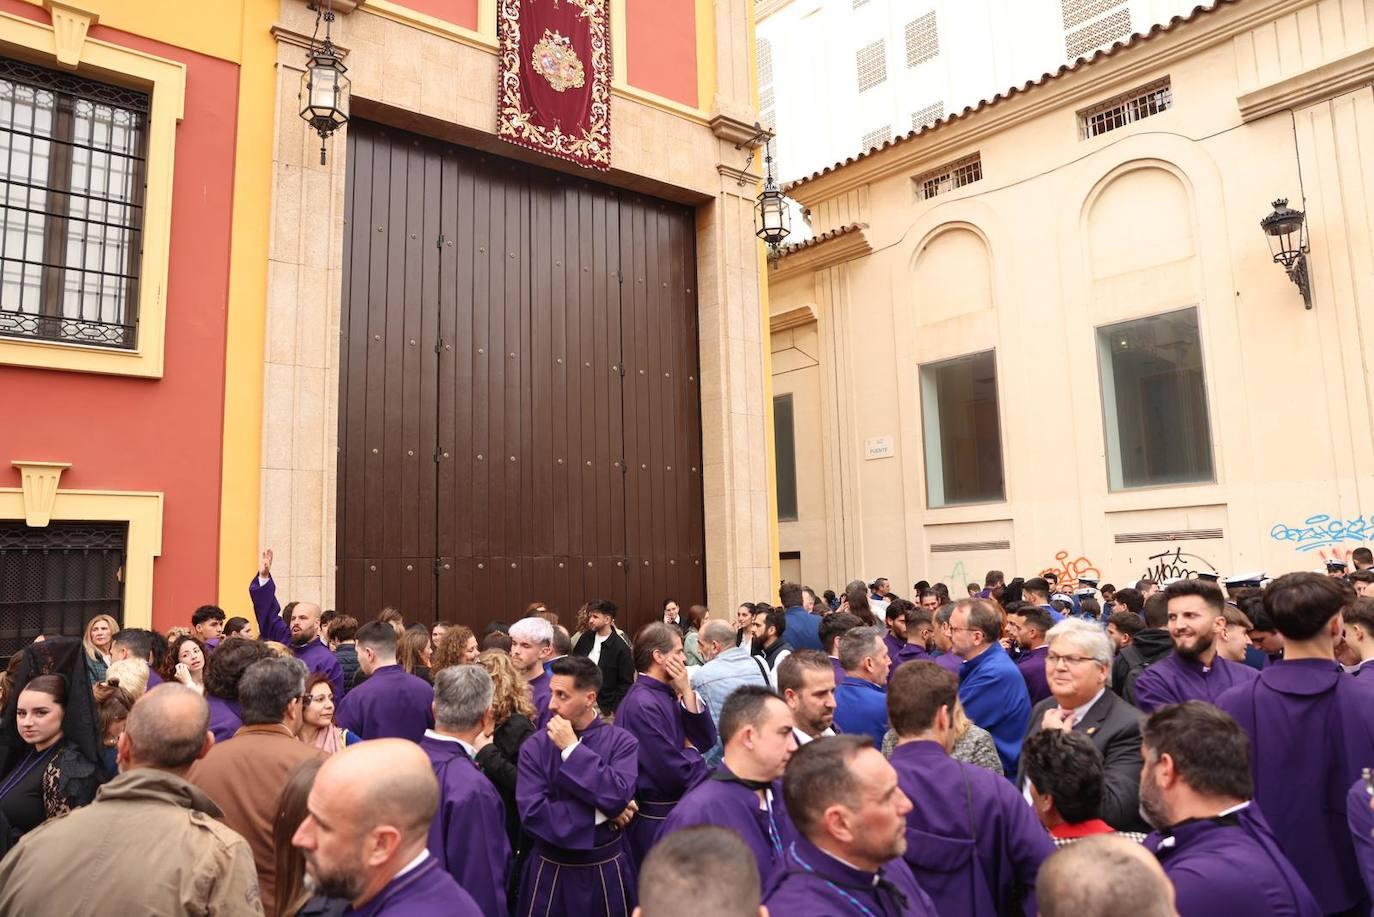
{"x": 150, "y": 843}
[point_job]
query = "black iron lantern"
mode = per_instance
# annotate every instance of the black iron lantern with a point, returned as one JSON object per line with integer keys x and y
{"x": 325, "y": 89}
{"x": 772, "y": 220}
{"x": 1286, "y": 231}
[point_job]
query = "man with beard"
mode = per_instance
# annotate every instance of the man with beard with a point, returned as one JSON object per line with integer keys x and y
{"x": 850, "y": 816}
{"x": 769, "y": 625}
{"x": 303, "y": 634}
{"x": 745, "y": 792}
{"x": 920, "y": 627}
{"x": 1213, "y": 843}
{"x": 1194, "y": 670}
{"x": 807, "y": 683}
{"x": 365, "y": 829}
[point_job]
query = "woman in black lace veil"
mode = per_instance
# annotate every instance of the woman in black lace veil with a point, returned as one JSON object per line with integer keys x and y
{"x": 70, "y": 772}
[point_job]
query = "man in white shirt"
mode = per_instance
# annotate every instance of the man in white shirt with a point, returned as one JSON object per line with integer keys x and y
{"x": 806, "y": 680}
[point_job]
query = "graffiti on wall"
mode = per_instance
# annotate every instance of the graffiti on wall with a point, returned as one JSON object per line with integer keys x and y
{"x": 1068, "y": 572}
{"x": 1175, "y": 564}
{"x": 957, "y": 578}
{"x": 1323, "y": 531}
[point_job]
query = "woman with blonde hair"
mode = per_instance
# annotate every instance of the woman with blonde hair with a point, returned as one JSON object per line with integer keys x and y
{"x": 393, "y": 617}
{"x": 458, "y": 647}
{"x": 415, "y": 652}
{"x": 513, "y": 717}
{"x": 98, "y": 641}
{"x": 132, "y": 675}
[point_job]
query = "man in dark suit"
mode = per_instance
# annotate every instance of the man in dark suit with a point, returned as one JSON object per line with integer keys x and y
{"x": 1079, "y": 666}
{"x": 603, "y": 645}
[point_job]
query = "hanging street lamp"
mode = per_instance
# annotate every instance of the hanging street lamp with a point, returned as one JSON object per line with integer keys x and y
{"x": 324, "y": 92}
{"x": 772, "y": 219}
{"x": 1286, "y": 231}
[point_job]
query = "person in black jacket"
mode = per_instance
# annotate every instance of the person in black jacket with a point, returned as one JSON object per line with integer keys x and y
{"x": 1148, "y": 646}
{"x": 603, "y": 645}
{"x": 342, "y": 630}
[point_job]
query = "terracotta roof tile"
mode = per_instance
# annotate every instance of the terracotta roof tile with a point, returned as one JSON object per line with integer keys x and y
{"x": 1130, "y": 42}
{"x": 794, "y": 247}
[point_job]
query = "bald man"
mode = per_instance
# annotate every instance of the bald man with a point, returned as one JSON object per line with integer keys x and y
{"x": 1104, "y": 876}
{"x": 364, "y": 834}
{"x": 303, "y": 633}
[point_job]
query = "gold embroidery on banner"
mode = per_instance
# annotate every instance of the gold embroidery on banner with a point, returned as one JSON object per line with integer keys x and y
{"x": 555, "y": 60}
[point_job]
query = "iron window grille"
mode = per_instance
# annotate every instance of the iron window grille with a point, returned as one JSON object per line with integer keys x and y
{"x": 871, "y": 61}
{"x": 922, "y": 39}
{"x": 949, "y": 177}
{"x": 1127, "y": 108}
{"x": 928, "y": 115}
{"x": 1084, "y": 41}
{"x": 73, "y": 155}
{"x": 876, "y": 138}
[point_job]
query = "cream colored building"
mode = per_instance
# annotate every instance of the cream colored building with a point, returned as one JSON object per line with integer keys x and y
{"x": 1048, "y": 332}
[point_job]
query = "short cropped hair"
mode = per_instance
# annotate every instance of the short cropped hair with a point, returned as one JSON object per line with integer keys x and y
{"x": 1301, "y": 604}
{"x": 792, "y": 670}
{"x": 1211, "y": 753}
{"x": 138, "y": 640}
{"x": 1362, "y": 556}
{"x": 857, "y": 643}
{"x": 671, "y": 877}
{"x": 1156, "y": 611}
{"x": 916, "y": 617}
{"x": 790, "y": 595}
{"x": 983, "y": 617}
{"x": 562, "y": 642}
{"x": 586, "y": 675}
{"x": 1037, "y": 618}
{"x": 343, "y": 627}
{"x": 994, "y": 578}
{"x": 1132, "y": 599}
{"x": 819, "y": 776}
{"x": 1209, "y": 592}
{"x": 268, "y": 687}
{"x": 462, "y": 694}
{"x": 654, "y": 637}
{"x": 164, "y": 741}
{"x": 915, "y": 695}
{"x": 535, "y": 630}
{"x": 1102, "y": 876}
{"x": 378, "y": 636}
{"x": 226, "y": 665}
{"x": 1127, "y": 622}
{"x": 1361, "y": 612}
{"x": 206, "y": 613}
{"x": 834, "y": 626}
{"x": 1236, "y": 618}
{"x": 1067, "y": 767}
{"x": 602, "y": 606}
{"x": 744, "y": 707}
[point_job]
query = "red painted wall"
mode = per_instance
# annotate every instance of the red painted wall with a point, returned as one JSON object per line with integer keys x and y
{"x": 661, "y": 36}
{"x": 458, "y": 12}
{"x": 136, "y": 434}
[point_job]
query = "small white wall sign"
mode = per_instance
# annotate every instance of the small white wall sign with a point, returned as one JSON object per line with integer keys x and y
{"x": 878, "y": 447}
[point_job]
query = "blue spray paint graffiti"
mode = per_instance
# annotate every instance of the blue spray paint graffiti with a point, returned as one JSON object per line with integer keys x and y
{"x": 1321, "y": 531}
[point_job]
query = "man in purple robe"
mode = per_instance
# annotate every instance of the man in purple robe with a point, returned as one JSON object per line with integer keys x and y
{"x": 1211, "y": 840}
{"x": 1361, "y": 820}
{"x": 1311, "y": 729}
{"x": 806, "y": 682}
{"x": 575, "y": 794}
{"x": 942, "y": 640}
{"x": 850, "y": 814}
{"x": 303, "y": 634}
{"x": 364, "y": 836}
{"x": 895, "y": 620}
{"x": 697, "y": 871}
{"x": 391, "y": 703}
{"x": 744, "y": 794}
{"x": 468, "y": 834}
{"x": 672, "y": 725}
{"x": 975, "y": 843}
{"x": 1030, "y": 625}
{"x": 223, "y": 672}
{"x": 919, "y": 626}
{"x": 1194, "y": 670}
{"x": 832, "y": 628}
{"x": 531, "y": 646}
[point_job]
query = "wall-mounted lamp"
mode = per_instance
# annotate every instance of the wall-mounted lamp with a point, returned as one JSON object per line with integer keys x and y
{"x": 1286, "y": 230}
{"x": 325, "y": 91}
{"x": 772, "y": 221}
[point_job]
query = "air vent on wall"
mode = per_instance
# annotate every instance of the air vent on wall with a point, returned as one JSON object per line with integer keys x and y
{"x": 922, "y": 39}
{"x": 1084, "y": 41}
{"x": 1183, "y": 535}
{"x": 871, "y": 62}
{"x": 1077, "y": 12}
{"x": 875, "y": 138}
{"x": 928, "y": 115}
{"x": 959, "y": 546}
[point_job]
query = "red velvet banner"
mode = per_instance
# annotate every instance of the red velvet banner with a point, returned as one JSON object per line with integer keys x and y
{"x": 555, "y": 78}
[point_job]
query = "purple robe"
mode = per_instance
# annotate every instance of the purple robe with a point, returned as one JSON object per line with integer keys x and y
{"x": 1175, "y": 679}
{"x": 468, "y": 834}
{"x": 539, "y": 690}
{"x": 668, "y": 767}
{"x": 894, "y": 646}
{"x": 225, "y": 717}
{"x": 818, "y": 885}
{"x": 908, "y": 652}
{"x": 577, "y": 866}
{"x": 763, "y": 825}
{"x": 949, "y": 661}
{"x": 391, "y": 704}
{"x": 316, "y": 656}
{"x": 840, "y": 675}
{"x": 1032, "y": 667}
{"x": 1311, "y": 729}
{"x": 154, "y": 680}
{"x": 1231, "y": 865}
{"x": 1361, "y": 821}
{"x": 975, "y": 844}
{"x": 424, "y": 891}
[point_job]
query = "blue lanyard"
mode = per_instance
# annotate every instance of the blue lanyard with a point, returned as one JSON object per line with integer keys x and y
{"x": 773, "y": 836}
{"x": 857, "y": 904}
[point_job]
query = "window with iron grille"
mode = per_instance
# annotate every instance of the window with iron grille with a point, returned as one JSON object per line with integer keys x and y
{"x": 1077, "y": 12}
{"x": 928, "y": 115}
{"x": 72, "y": 166}
{"x": 56, "y": 578}
{"x": 1084, "y": 41}
{"x": 948, "y": 177}
{"x": 922, "y": 39}
{"x": 872, "y": 65}
{"x": 875, "y": 138}
{"x": 1127, "y": 108}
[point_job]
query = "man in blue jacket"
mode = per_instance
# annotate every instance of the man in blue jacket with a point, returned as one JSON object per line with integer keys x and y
{"x": 803, "y": 628}
{"x": 990, "y": 685}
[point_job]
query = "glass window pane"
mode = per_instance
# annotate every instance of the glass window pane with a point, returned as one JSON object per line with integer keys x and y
{"x": 1154, "y": 402}
{"x": 963, "y": 437}
{"x": 785, "y": 456}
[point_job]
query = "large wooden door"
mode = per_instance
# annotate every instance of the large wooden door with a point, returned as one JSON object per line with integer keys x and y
{"x": 519, "y": 415}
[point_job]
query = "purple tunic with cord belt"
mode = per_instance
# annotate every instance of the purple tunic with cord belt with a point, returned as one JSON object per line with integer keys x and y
{"x": 579, "y": 863}
{"x": 1175, "y": 679}
{"x": 424, "y": 891}
{"x": 468, "y": 834}
{"x": 763, "y": 825}
{"x": 391, "y": 704}
{"x": 818, "y": 885}
{"x": 316, "y": 656}
{"x": 668, "y": 766}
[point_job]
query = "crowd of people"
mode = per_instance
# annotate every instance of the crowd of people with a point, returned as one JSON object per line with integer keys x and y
{"x": 1189, "y": 747}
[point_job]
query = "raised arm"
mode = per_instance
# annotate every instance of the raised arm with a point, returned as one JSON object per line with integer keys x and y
{"x": 263, "y": 591}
